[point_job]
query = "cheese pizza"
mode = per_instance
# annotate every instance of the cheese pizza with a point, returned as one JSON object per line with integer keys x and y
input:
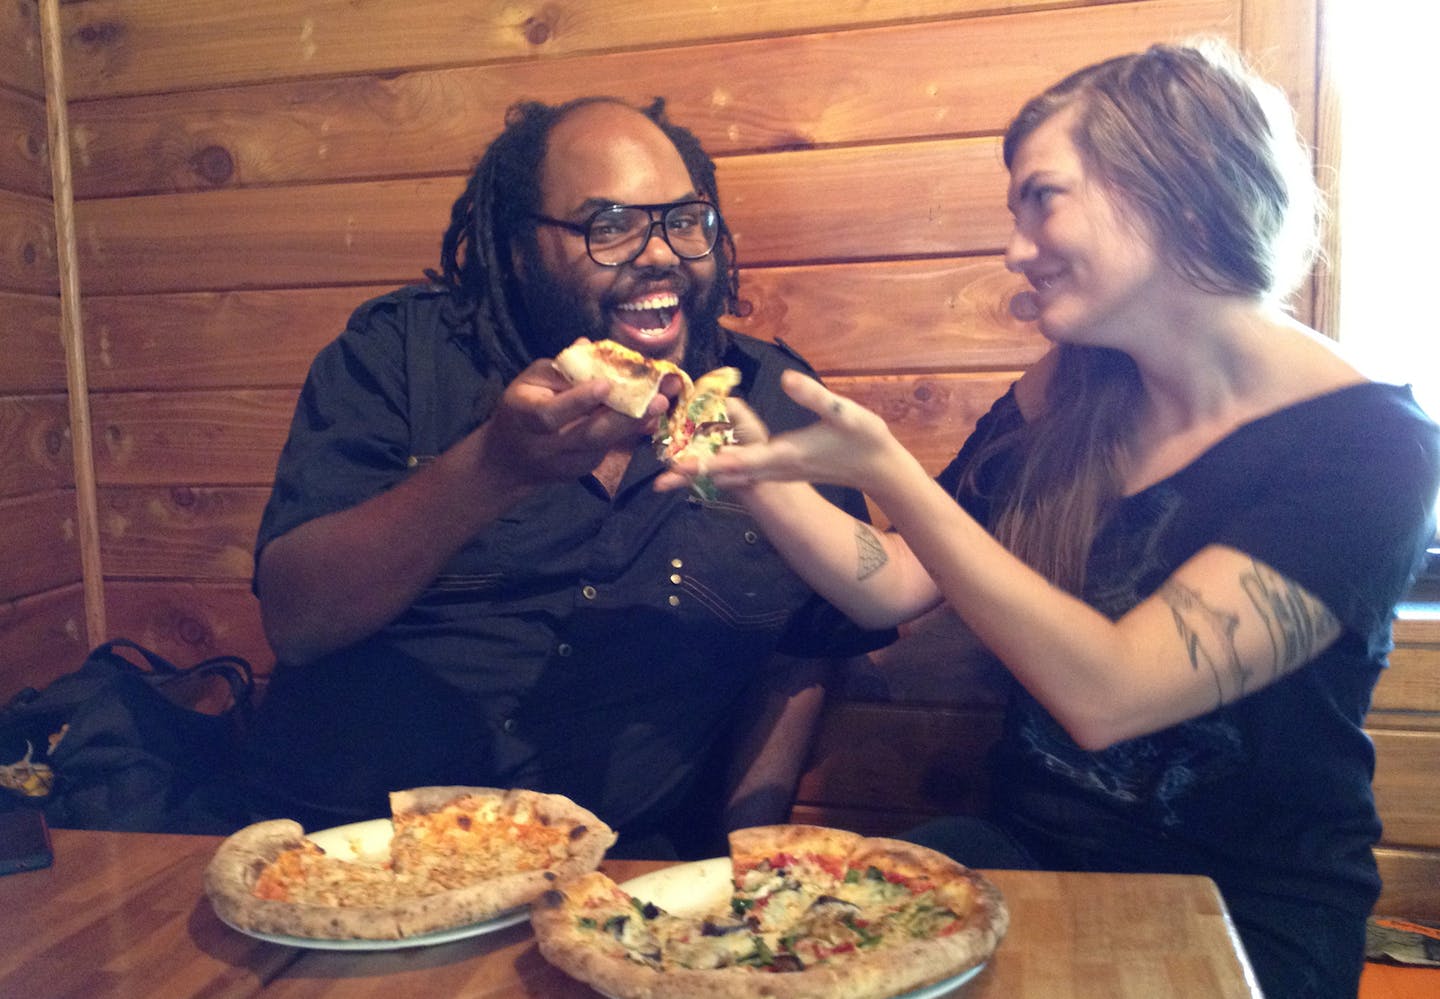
{"x": 458, "y": 855}
{"x": 634, "y": 378}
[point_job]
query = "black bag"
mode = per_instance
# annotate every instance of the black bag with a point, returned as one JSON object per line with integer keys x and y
{"x": 135, "y": 756}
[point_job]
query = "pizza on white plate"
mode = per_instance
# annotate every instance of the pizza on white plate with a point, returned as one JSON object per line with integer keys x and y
{"x": 814, "y": 913}
{"x": 458, "y": 855}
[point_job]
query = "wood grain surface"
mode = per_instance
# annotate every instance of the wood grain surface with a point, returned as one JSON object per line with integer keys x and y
{"x": 122, "y": 914}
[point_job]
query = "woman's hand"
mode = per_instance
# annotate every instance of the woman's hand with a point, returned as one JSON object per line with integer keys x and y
{"x": 847, "y": 446}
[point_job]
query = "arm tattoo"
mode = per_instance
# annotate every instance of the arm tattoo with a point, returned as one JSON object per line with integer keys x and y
{"x": 872, "y": 554}
{"x": 1209, "y": 637}
{"x": 1295, "y": 620}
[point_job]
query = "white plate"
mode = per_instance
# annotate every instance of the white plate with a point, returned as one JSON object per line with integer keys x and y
{"x": 371, "y": 841}
{"x": 685, "y": 889}
{"x": 690, "y": 888}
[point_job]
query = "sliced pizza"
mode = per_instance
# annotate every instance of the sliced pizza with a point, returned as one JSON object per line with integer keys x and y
{"x": 815, "y": 913}
{"x": 458, "y": 855}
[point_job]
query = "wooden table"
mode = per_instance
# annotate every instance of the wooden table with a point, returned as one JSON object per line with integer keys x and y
{"x": 122, "y": 914}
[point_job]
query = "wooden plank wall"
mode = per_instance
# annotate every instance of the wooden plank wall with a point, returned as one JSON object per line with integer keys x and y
{"x": 42, "y": 613}
{"x": 246, "y": 173}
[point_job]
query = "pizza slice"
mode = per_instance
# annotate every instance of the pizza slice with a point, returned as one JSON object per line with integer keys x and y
{"x": 634, "y": 378}
{"x": 697, "y": 425}
{"x": 449, "y": 837}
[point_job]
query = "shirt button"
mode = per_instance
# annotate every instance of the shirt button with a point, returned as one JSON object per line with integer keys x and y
{"x": 564, "y": 649}
{"x": 676, "y": 563}
{"x": 509, "y": 725}
{"x": 675, "y": 579}
{"x": 588, "y": 592}
{"x": 751, "y": 537}
{"x": 674, "y": 601}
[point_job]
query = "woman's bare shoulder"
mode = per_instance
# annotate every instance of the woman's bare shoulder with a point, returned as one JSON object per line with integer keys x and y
{"x": 1030, "y": 388}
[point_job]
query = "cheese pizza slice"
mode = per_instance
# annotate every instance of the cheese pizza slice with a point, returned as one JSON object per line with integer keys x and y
{"x": 634, "y": 378}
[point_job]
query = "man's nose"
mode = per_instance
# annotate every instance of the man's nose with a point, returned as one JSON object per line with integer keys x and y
{"x": 656, "y": 251}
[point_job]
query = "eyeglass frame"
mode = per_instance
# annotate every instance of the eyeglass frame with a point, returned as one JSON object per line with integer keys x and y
{"x": 663, "y": 208}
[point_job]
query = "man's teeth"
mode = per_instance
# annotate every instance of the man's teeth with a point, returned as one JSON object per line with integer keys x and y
{"x": 664, "y": 300}
{"x": 653, "y": 312}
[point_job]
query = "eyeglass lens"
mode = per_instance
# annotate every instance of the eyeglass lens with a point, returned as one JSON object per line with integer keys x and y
{"x": 618, "y": 235}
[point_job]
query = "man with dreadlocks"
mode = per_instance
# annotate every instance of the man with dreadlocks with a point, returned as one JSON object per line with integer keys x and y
{"x": 464, "y": 569}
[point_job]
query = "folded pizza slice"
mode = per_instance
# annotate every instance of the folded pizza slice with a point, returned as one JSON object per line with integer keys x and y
{"x": 697, "y": 425}
{"x": 634, "y": 378}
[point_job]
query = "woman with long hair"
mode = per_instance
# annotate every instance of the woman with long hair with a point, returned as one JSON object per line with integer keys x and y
{"x": 1184, "y": 531}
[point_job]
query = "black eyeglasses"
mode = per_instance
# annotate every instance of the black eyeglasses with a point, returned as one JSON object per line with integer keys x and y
{"x": 617, "y": 234}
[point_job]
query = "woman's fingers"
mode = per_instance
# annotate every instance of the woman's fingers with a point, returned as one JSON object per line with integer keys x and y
{"x": 808, "y": 392}
{"x": 749, "y": 428}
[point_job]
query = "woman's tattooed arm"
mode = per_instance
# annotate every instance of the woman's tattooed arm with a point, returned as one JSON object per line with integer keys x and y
{"x": 1297, "y": 625}
{"x": 871, "y": 553}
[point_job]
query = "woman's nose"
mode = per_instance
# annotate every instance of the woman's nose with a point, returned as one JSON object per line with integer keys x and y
{"x": 1019, "y": 250}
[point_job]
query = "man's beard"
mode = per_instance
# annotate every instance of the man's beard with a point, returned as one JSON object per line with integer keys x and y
{"x": 557, "y": 313}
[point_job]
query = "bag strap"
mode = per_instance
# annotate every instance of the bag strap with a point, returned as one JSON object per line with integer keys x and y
{"x": 158, "y": 664}
{"x": 236, "y": 672}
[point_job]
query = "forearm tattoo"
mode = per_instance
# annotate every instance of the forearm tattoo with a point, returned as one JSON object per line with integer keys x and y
{"x": 1296, "y": 623}
{"x": 871, "y": 553}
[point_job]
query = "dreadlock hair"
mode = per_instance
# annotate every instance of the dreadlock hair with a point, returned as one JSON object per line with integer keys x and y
{"x": 493, "y": 215}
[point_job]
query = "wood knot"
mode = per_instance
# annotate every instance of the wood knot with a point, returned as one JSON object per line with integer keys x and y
{"x": 101, "y": 33}
{"x": 192, "y": 632}
{"x": 183, "y": 496}
{"x": 29, "y": 254}
{"x": 214, "y": 164}
{"x": 537, "y": 32}
{"x": 923, "y": 393}
{"x": 744, "y": 308}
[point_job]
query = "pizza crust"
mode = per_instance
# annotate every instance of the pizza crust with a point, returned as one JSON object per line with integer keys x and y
{"x": 232, "y": 874}
{"x": 230, "y": 881}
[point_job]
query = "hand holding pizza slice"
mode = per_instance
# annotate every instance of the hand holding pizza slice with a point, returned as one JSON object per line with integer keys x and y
{"x": 695, "y": 426}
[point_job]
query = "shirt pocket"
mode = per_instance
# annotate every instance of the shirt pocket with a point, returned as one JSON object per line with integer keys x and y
{"x": 732, "y": 572}
{"x": 483, "y": 569}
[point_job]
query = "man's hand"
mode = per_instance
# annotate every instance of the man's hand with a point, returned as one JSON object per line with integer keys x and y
{"x": 338, "y": 578}
{"x": 547, "y": 429}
